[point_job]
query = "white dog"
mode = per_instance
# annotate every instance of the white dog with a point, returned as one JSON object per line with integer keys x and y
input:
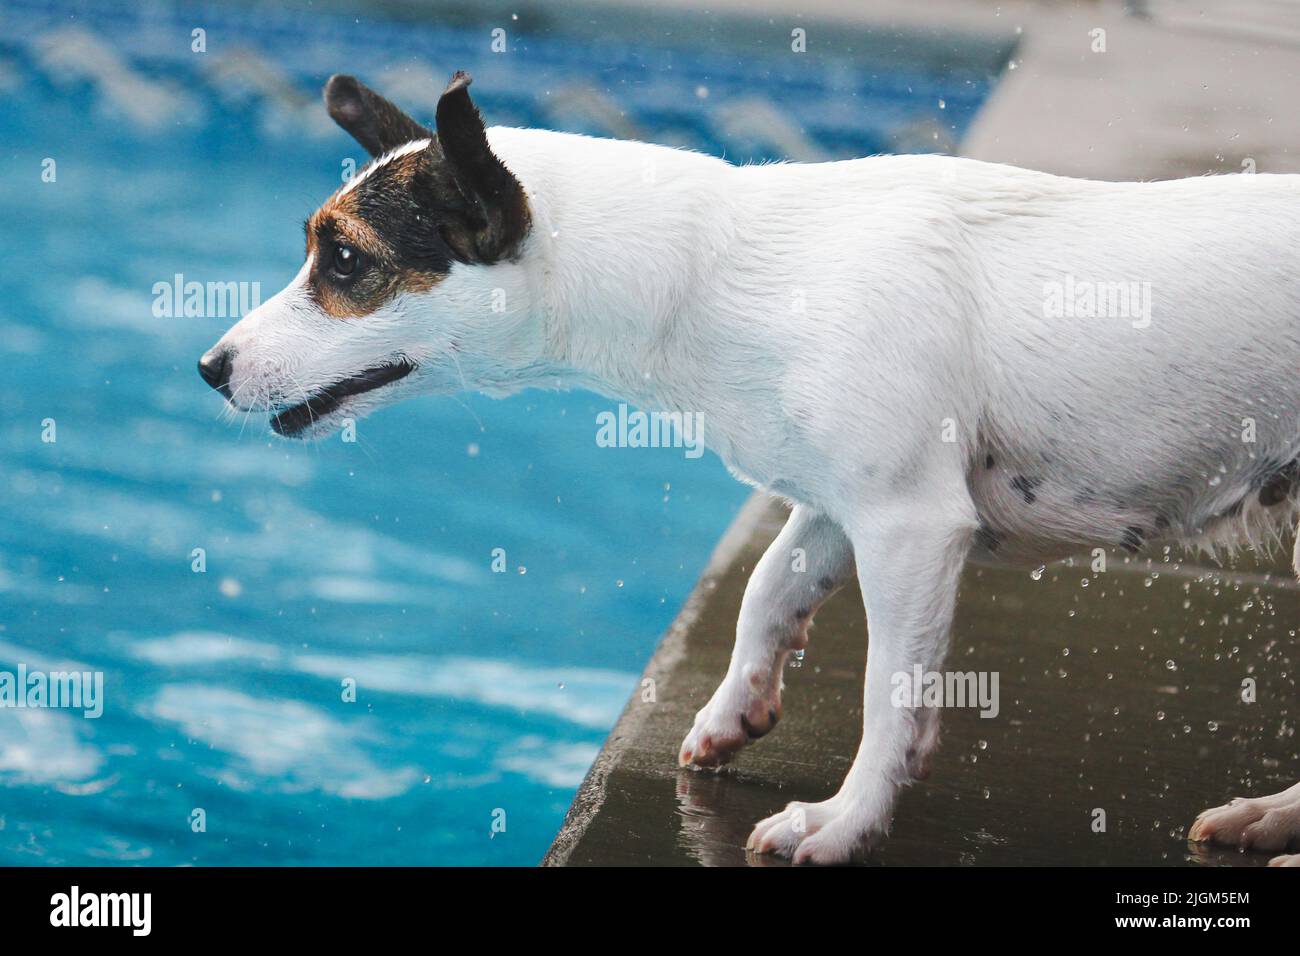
{"x": 930, "y": 357}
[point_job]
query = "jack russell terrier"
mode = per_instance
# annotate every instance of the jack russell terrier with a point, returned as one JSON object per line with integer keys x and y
{"x": 931, "y": 358}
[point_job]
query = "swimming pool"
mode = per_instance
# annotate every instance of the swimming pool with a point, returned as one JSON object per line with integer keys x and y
{"x": 228, "y": 735}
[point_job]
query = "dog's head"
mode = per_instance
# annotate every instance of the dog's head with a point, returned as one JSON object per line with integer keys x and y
{"x": 404, "y": 286}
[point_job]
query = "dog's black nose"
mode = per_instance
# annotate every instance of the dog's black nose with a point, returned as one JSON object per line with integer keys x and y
{"x": 215, "y": 369}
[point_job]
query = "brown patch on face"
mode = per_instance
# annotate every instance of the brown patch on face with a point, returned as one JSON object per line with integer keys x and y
{"x": 393, "y": 231}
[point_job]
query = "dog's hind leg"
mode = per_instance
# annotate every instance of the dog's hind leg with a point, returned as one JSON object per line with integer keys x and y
{"x": 805, "y": 565}
{"x": 909, "y": 558}
{"x": 1259, "y": 823}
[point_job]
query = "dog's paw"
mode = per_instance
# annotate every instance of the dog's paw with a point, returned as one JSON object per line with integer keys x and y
{"x": 826, "y": 833}
{"x": 1260, "y": 823}
{"x": 1292, "y": 859}
{"x": 738, "y": 712}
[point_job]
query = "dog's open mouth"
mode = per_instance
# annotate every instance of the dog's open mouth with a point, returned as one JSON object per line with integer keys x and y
{"x": 291, "y": 421}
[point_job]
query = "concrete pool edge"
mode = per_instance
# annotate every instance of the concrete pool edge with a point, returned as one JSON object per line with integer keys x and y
{"x": 670, "y": 652}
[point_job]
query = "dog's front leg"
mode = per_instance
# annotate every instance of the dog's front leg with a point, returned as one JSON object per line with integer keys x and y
{"x": 909, "y": 561}
{"x": 805, "y": 565}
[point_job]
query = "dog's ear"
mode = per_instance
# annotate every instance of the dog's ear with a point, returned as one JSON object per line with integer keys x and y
{"x": 373, "y": 121}
{"x": 495, "y": 217}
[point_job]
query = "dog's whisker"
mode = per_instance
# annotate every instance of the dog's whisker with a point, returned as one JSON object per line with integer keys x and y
{"x": 306, "y": 399}
{"x": 229, "y": 408}
{"x": 364, "y": 445}
{"x": 233, "y": 405}
{"x": 472, "y": 414}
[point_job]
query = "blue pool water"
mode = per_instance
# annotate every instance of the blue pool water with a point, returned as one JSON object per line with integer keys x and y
{"x": 477, "y": 692}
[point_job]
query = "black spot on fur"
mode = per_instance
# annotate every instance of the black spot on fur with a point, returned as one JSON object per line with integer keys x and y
{"x": 988, "y": 462}
{"x": 1279, "y": 485}
{"x": 1161, "y": 522}
{"x": 1026, "y": 487}
{"x": 826, "y": 584}
{"x": 802, "y": 614}
{"x": 1132, "y": 540}
{"x": 987, "y": 538}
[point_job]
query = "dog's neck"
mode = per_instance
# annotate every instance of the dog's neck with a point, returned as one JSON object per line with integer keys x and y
{"x": 624, "y": 237}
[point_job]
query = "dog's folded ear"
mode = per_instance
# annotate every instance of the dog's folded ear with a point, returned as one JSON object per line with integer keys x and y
{"x": 496, "y": 217}
{"x": 373, "y": 121}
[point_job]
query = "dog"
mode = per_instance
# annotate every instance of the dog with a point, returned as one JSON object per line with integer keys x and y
{"x": 909, "y": 349}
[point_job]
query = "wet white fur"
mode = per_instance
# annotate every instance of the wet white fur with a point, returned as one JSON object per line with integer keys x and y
{"x": 859, "y": 337}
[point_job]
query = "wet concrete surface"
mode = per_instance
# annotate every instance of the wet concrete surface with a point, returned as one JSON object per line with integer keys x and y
{"x": 1119, "y": 691}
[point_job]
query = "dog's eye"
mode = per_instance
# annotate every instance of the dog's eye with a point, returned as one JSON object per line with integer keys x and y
{"x": 345, "y": 260}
